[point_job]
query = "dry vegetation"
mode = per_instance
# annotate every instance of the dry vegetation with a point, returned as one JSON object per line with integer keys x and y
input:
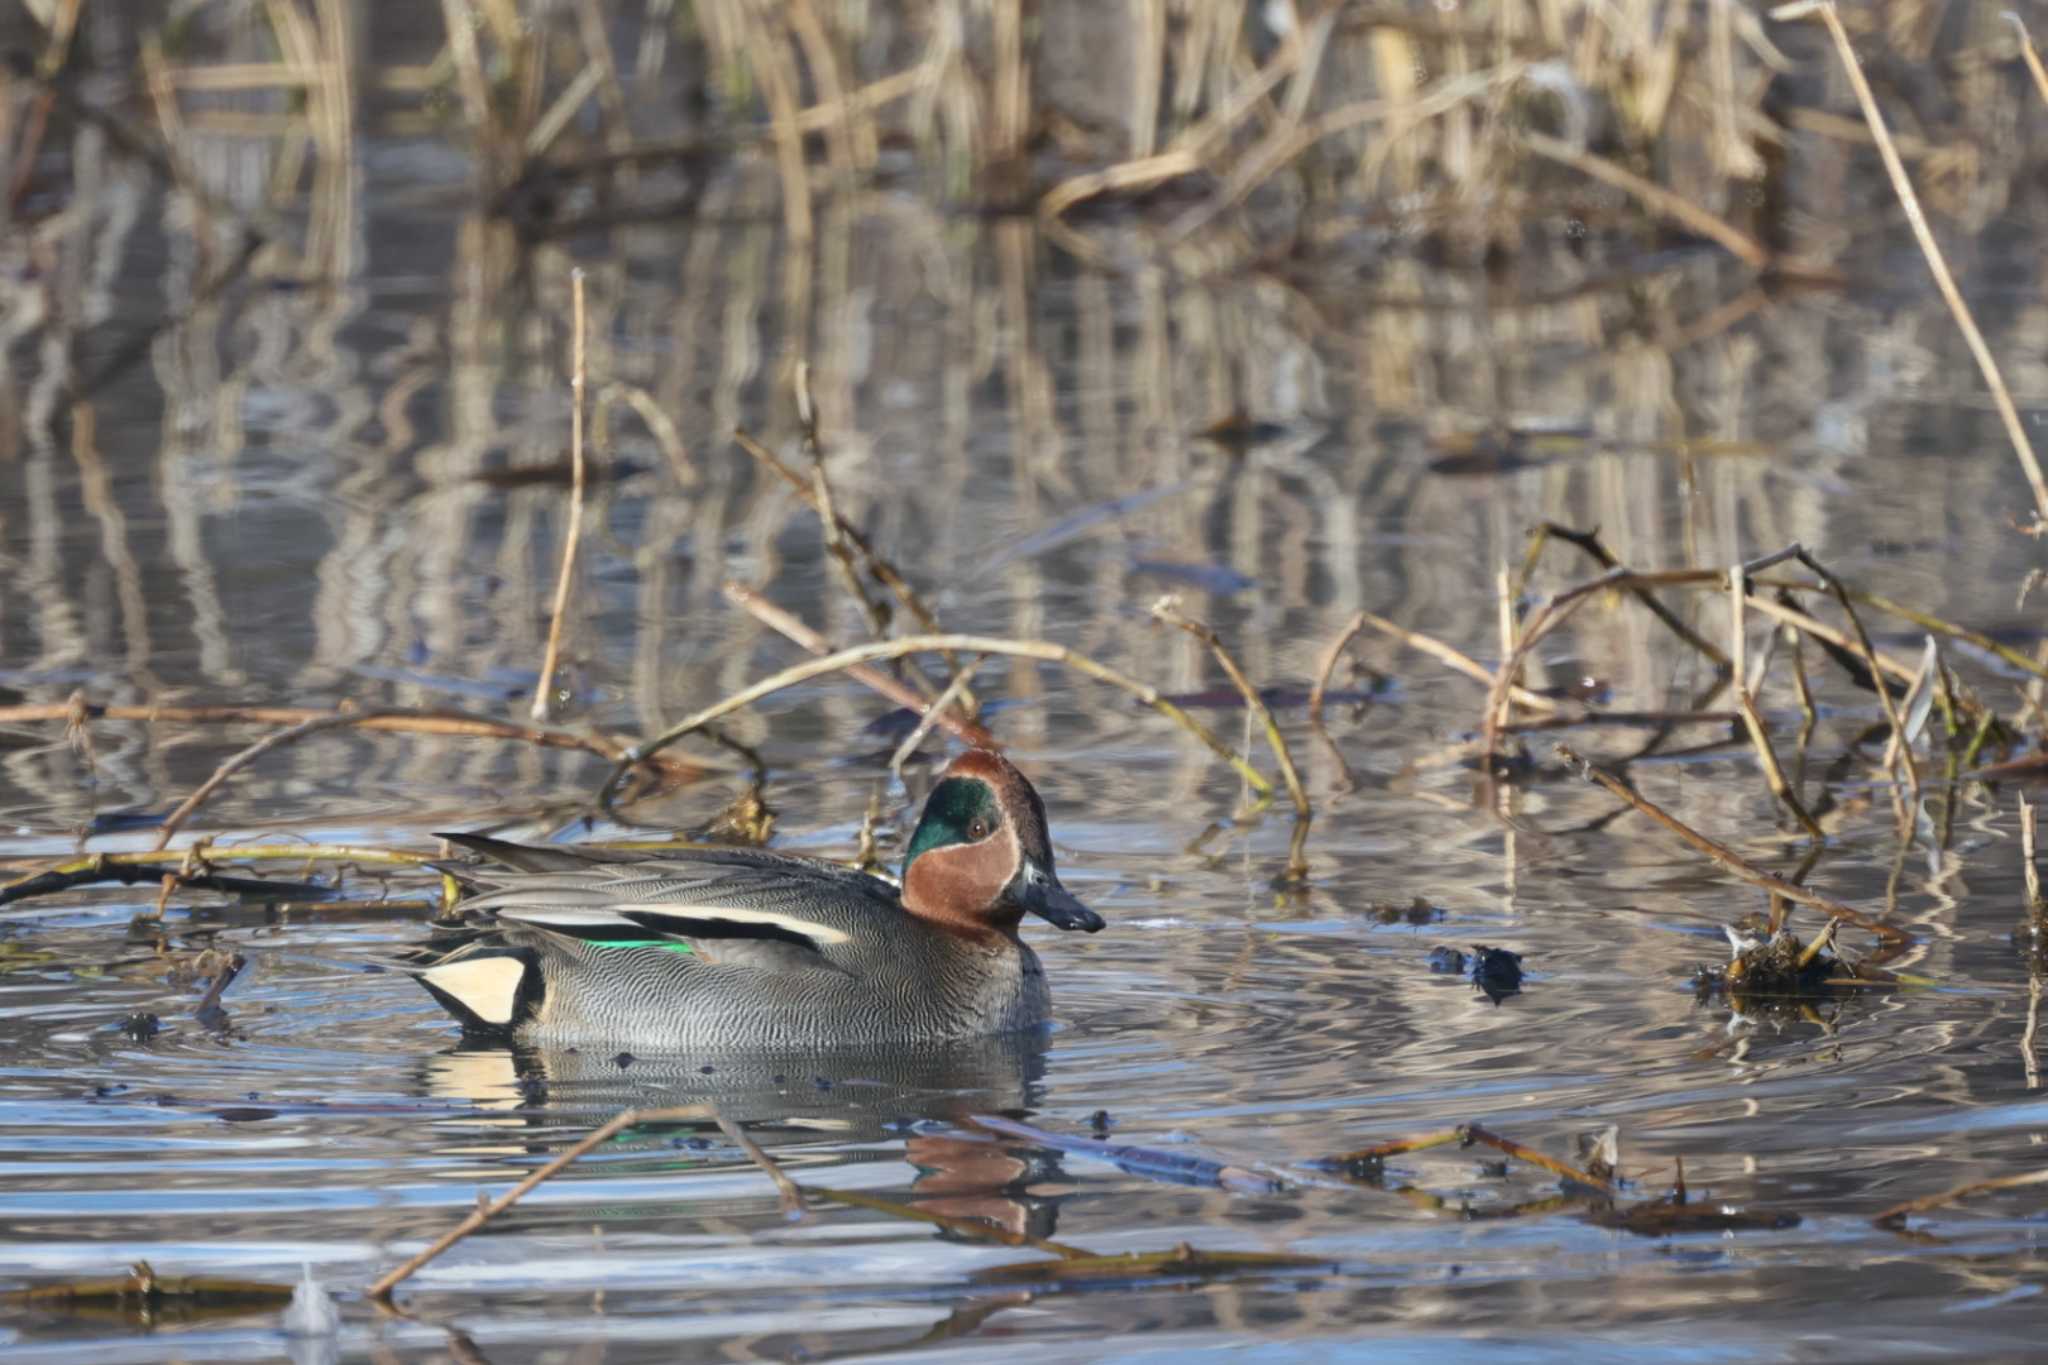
{"x": 1359, "y": 172}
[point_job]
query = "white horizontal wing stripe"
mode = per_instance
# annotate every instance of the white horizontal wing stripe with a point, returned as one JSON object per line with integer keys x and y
{"x": 795, "y": 924}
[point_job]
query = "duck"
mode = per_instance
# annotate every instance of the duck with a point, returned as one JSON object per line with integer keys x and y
{"x": 742, "y": 948}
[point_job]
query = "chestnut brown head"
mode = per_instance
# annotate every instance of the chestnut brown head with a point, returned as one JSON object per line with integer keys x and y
{"x": 980, "y": 856}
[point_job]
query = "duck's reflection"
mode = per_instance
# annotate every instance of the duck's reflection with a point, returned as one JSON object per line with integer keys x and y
{"x": 808, "y": 1110}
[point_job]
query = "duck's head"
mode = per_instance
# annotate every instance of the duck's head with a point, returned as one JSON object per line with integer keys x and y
{"x": 980, "y": 857}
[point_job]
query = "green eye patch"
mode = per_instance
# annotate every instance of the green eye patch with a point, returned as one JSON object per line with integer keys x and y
{"x": 950, "y": 813}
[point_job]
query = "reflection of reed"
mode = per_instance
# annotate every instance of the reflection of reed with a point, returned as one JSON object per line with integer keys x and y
{"x": 973, "y": 390}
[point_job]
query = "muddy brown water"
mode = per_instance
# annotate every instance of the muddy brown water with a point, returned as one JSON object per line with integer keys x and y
{"x": 281, "y": 499}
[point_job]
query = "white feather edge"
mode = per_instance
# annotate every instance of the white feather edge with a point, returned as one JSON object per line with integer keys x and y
{"x": 615, "y": 918}
{"x": 487, "y": 986}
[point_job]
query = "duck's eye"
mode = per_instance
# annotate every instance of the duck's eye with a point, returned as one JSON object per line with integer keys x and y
{"x": 978, "y": 828}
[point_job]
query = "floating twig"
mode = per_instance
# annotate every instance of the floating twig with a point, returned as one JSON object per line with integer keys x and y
{"x": 147, "y": 1294}
{"x": 1173, "y": 1166}
{"x": 1472, "y": 1133}
{"x": 787, "y": 1191}
{"x": 484, "y": 1212}
{"x": 1365, "y": 1161}
{"x": 1894, "y": 1218}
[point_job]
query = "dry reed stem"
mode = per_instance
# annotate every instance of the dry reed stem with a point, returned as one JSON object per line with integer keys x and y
{"x": 1380, "y": 1151}
{"x": 553, "y": 653}
{"x": 938, "y": 708}
{"x": 1472, "y": 1132}
{"x": 541, "y": 137}
{"x": 1652, "y": 196}
{"x": 236, "y": 762}
{"x": 1559, "y": 608}
{"x": 1820, "y": 630}
{"x": 1753, "y": 722}
{"x": 2028, "y": 867}
{"x": 206, "y": 853}
{"x": 1728, "y": 857}
{"x": 1549, "y": 617}
{"x": 851, "y": 142}
{"x": 862, "y": 103}
{"x": 1167, "y": 609}
{"x": 467, "y": 59}
{"x": 905, "y": 646}
{"x": 1589, "y": 543}
{"x": 483, "y": 1213}
{"x": 1903, "y": 751}
{"x": 787, "y": 1192}
{"x": 2028, "y": 54}
{"x": 1282, "y": 147}
{"x": 658, "y": 424}
{"x": 1937, "y": 264}
{"x": 782, "y": 623}
{"x": 1893, "y": 1218}
{"x": 1820, "y": 942}
{"x": 386, "y": 720}
{"x": 778, "y": 84}
{"x": 828, "y": 515}
{"x": 1436, "y": 649}
{"x": 1467, "y": 1134}
{"x": 882, "y": 570}
{"x": 1188, "y": 151}
{"x": 2029, "y": 1052}
{"x": 1927, "y": 621}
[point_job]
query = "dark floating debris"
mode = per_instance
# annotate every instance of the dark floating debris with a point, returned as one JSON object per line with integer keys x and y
{"x": 124, "y": 821}
{"x": 1417, "y": 911}
{"x": 559, "y": 474}
{"x": 1495, "y": 971}
{"x": 142, "y": 1026}
{"x": 1238, "y": 431}
{"x": 1676, "y": 1213}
